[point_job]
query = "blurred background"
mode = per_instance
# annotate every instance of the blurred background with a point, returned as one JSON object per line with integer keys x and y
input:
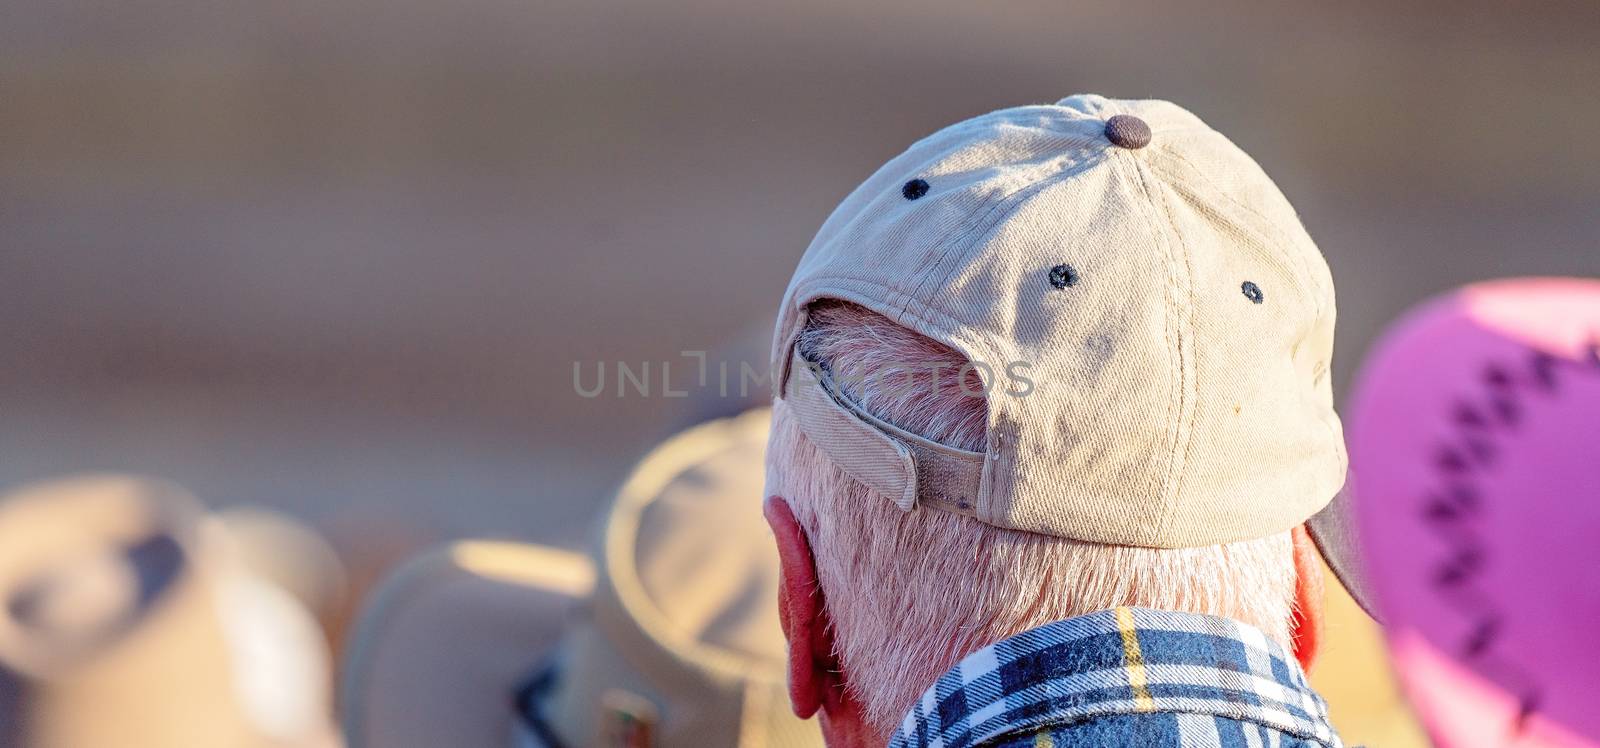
{"x": 338, "y": 258}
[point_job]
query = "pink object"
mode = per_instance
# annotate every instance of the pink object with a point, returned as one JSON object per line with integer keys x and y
{"x": 1475, "y": 451}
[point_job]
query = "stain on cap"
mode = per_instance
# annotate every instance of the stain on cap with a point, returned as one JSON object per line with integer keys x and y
{"x": 1127, "y": 131}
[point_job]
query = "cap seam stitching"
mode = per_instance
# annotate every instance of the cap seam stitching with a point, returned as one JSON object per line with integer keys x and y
{"x": 1300, "y": 263}
{"x": 1191, "y": 371}
{"x": 1175, "y": 399}
{"x": 1001, "y": 116}
{"x": 945, "y": 244}
{"x": 1330, "y": 418}
{"x": 1304, "y": 271}
{"x": 987, "y": 220}
{"x": 1015, "y": 202}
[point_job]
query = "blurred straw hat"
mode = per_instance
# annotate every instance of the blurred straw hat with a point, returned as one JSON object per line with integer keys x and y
{"x": 671, "y": 639}
{"x": 123, "y": 624}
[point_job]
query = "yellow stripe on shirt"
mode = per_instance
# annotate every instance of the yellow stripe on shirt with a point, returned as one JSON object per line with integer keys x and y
{"x": 1134, "y": 662}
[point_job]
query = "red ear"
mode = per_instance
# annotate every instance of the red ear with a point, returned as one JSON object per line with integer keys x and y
{"x": 801, "y": 612}
{"x": 1307, "y": 598}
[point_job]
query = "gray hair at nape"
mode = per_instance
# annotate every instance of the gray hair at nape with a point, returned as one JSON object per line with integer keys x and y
{"x": 911, "y": 593}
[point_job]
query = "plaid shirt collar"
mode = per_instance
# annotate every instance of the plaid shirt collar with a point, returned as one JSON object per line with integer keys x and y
{"x": 1127, "y": 661}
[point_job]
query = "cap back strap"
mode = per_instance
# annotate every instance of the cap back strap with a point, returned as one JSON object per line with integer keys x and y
{"x": 905, "y": 467}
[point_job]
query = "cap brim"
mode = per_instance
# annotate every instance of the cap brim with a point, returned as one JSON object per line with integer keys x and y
{"x": 438, "y": 654}
{"x": 1334, "y": 531}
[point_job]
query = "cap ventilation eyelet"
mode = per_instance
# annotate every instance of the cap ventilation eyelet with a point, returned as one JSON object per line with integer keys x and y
{"x": 914, "y": 189}
{"x": 1253, "y": 292}
{"x": 1062, "y": 276}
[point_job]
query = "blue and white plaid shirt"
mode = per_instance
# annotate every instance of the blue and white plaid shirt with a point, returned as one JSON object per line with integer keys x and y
{"x": 1128, "y": 676}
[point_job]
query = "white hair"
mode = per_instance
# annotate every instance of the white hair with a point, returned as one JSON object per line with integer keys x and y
{"x": 911, "y": 593}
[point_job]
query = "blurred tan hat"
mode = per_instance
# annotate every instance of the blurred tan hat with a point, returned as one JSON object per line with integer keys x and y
{"x": 82, "y": 561}
{"x": 672, "y": 639}
{"x": 116, "y": 605}
{"x": 436, "y": 656}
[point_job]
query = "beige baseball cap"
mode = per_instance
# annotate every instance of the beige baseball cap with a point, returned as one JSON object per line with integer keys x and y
{"x": 671, "y": 638}
{"x": 1152, "y": 322}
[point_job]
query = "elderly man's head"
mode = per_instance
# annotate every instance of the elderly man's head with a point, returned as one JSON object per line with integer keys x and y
{"x": 1050, "y": 360}
{"x": 907, "y": 594}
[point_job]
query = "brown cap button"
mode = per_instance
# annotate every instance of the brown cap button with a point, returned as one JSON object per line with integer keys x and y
{"x": 1127, "y": 131}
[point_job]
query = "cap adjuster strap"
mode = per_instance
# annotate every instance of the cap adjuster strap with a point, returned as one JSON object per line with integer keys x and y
{"x": 907, "y": 468}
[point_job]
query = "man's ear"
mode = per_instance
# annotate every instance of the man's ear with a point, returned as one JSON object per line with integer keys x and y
{"x": 813, "y": 674}
{"x": 1308, "y": 591}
